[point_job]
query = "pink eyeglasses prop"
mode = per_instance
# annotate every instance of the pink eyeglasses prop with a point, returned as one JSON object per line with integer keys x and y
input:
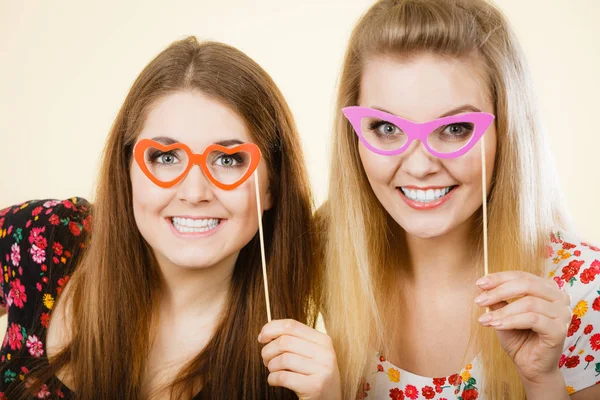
{"x": 448, "y": 137}
{"x": 225, "y": 167}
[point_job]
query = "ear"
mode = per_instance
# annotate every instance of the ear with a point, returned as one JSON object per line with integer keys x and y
{"x": 267, "y": 200}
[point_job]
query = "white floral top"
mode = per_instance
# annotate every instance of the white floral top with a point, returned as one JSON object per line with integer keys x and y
{"x": 574, "y": 266}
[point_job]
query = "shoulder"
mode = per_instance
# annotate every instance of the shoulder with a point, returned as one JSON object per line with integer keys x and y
{"x": 37, "y": 237}
{"x": 574, "y": 264}
{"x": 41, "y": 212}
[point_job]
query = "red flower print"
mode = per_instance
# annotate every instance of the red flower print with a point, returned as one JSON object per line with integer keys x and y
{"x": 17, "y": 293}
{"x": 74, "y": 228}
{"x": 588, "y": 329}
{"x": 596, "y": 304}
{"x": 572, "y": 362}
{"x": 455, "y": 380}
{"x": 380, "y": 368}
{"x": 428, "y": 392}
{"x": 577, "y": 253}
{"x": 439, "y": 381}
{"x": 568, "y": 246}
{"x": 67, "y": 204}
{"x": 595, "y": 265}
{"x": 54, "y": 220}
{"x": 57, "y": 248}
{"x": 36, "y": 211}
{"x": 595, "y": 342}
{"x": 594, "y": 248}
{"x": 587, "y": 276}
{"x": 411, "y": 392}
{"x": 15, "y": 337}
{"x": 562, "y": 361}
{"x": 36, "y": 237}
{"x": 61, "y": 283}
{"x": 470, "y": 394}
{"x": 571, "y": 349}
{"x": 589, "y": 358}
{"x": 381, "y": 358}
{"x": 574, "y": 327}
{"x": 87, "y": 223}
{"x": 396, "y": 394}
{"x": 45, "y": 320}
{"x": 571, "y": 270}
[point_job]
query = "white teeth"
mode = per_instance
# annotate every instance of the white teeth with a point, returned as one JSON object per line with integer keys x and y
{"x": 188, "y": 225}
{"x": 425, "y": 196}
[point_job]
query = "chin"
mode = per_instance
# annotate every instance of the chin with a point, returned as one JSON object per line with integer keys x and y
{"x": 426, "y": 230}
{"x": 191, "y": 260}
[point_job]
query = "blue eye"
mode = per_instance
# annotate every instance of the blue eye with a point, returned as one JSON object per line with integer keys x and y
{"x": 384, "y": 128}
{"x": 163, "y": 158}
{"x": 229, "y": 160}
{"x": 458, "y": 131}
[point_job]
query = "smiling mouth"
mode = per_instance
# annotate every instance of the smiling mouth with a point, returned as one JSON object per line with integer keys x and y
{"x": 195, "y": 225}
{"x": 426, "y": 196}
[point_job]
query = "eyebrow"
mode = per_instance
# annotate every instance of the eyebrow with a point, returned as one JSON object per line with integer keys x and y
{"x": 457, "y": 110}
{"x": 168, "y": 140}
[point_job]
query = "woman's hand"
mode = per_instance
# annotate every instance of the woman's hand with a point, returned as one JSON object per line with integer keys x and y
{"x": 301, "y": 359}
{"x": 531, "y": 328}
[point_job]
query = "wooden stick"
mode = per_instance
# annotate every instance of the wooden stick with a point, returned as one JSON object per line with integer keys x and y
{"x": 262, "y": 245}
{"x": 484, "y": 195}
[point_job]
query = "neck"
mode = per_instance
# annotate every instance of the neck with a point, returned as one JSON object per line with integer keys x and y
{"x": 442, "y": 260}
{"x": 195, "y": 293}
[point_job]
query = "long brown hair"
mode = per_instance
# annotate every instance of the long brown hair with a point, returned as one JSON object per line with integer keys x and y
{"x": 117, "y": 284}
{"x": 365, "y": 247}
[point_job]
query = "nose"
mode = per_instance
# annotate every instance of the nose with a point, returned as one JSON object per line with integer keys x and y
{"x": 418, "y": 162}
{"x": 195, "y": 187}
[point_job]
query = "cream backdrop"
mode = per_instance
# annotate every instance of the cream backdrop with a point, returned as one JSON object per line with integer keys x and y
{"x": 66, "y": 66}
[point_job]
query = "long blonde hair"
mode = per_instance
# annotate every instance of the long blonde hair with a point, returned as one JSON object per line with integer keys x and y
{"x": 358, "y": 257}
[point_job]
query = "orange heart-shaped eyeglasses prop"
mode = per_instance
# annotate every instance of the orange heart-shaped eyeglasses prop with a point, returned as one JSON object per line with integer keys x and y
{"x": 192, "y": 158}
{"x": 248, "y": 156}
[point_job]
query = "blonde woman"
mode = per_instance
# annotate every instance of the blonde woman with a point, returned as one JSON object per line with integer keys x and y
{"x": 425, "y": 85}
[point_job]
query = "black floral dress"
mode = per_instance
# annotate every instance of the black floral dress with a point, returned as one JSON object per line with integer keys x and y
{"x": 40, "y": 244}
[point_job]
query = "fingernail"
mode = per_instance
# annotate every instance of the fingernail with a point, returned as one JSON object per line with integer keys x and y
{"x": 482, "y": 281}
{"x": 481, "y": 298}
{"x": 496, "y": 323}
{"x": 487, "y": 317}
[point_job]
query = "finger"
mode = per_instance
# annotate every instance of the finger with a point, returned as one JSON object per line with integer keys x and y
{"x": 289, "y": 344}
{"x": 544, "y": 326}
{"x": 523, "y": 305}
{"x": 291, "y": 327}
{"x": 495, "y": 279}
{"x": 293, "y": 363}
{"x": 537, "y": 287}
{"x": 296, "y": 382}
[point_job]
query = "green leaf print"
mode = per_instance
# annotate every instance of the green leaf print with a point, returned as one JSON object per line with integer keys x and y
{"x": 18, "y": 235}
{"x": 9, "y": 376}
